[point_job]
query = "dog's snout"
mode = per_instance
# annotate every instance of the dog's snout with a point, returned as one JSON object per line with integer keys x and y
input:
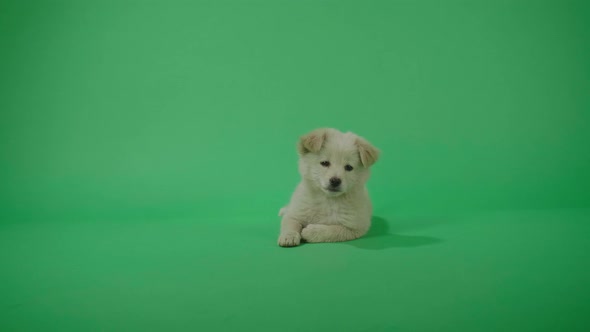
{"x": 335, "y": 182}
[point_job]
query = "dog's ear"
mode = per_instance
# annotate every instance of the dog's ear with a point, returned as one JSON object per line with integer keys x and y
{"x": 312, "y": 142}
{"x": 368, "y": 153}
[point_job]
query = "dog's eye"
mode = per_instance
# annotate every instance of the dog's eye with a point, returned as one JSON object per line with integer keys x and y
{"x": 325, "y": 163}
{"x": 348, "y": 168}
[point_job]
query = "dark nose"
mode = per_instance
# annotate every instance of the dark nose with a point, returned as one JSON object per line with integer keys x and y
{"x": 335, "y": 182}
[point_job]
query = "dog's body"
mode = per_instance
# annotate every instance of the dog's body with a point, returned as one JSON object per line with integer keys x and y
{"x": 331, "y": 203}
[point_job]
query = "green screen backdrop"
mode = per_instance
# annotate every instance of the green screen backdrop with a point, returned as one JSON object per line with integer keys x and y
{"x": 146, "y": 147}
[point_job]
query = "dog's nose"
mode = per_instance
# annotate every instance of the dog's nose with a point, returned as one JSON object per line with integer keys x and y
{"x": 335, "y": 182}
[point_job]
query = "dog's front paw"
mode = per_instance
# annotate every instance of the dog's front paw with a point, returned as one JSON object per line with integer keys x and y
{"x": 290, "y": 239}
{"x": 311, "y": 233}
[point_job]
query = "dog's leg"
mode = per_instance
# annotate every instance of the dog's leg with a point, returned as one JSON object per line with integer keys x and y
{"x": 283, "y": 211}
{"x": 329, "y": 233}
{"x": 290, "y": 233}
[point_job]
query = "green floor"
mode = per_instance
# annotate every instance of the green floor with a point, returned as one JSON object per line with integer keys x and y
{"x": 146, "y": 147}
{"x": 503, "y": 271}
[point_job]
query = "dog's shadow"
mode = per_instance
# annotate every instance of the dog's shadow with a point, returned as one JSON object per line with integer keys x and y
{"x": 379, "y": 238}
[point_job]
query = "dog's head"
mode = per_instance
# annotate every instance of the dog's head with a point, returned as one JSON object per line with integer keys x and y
{"x": 335, "y": 162}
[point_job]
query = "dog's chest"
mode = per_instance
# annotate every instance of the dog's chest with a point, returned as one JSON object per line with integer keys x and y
{"x": 330, "y": 212}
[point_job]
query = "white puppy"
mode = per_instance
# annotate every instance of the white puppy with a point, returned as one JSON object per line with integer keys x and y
{"x": 331, "y": 203}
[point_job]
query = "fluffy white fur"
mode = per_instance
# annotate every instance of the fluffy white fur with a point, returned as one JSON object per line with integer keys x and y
{"x": 318, "y": 210}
